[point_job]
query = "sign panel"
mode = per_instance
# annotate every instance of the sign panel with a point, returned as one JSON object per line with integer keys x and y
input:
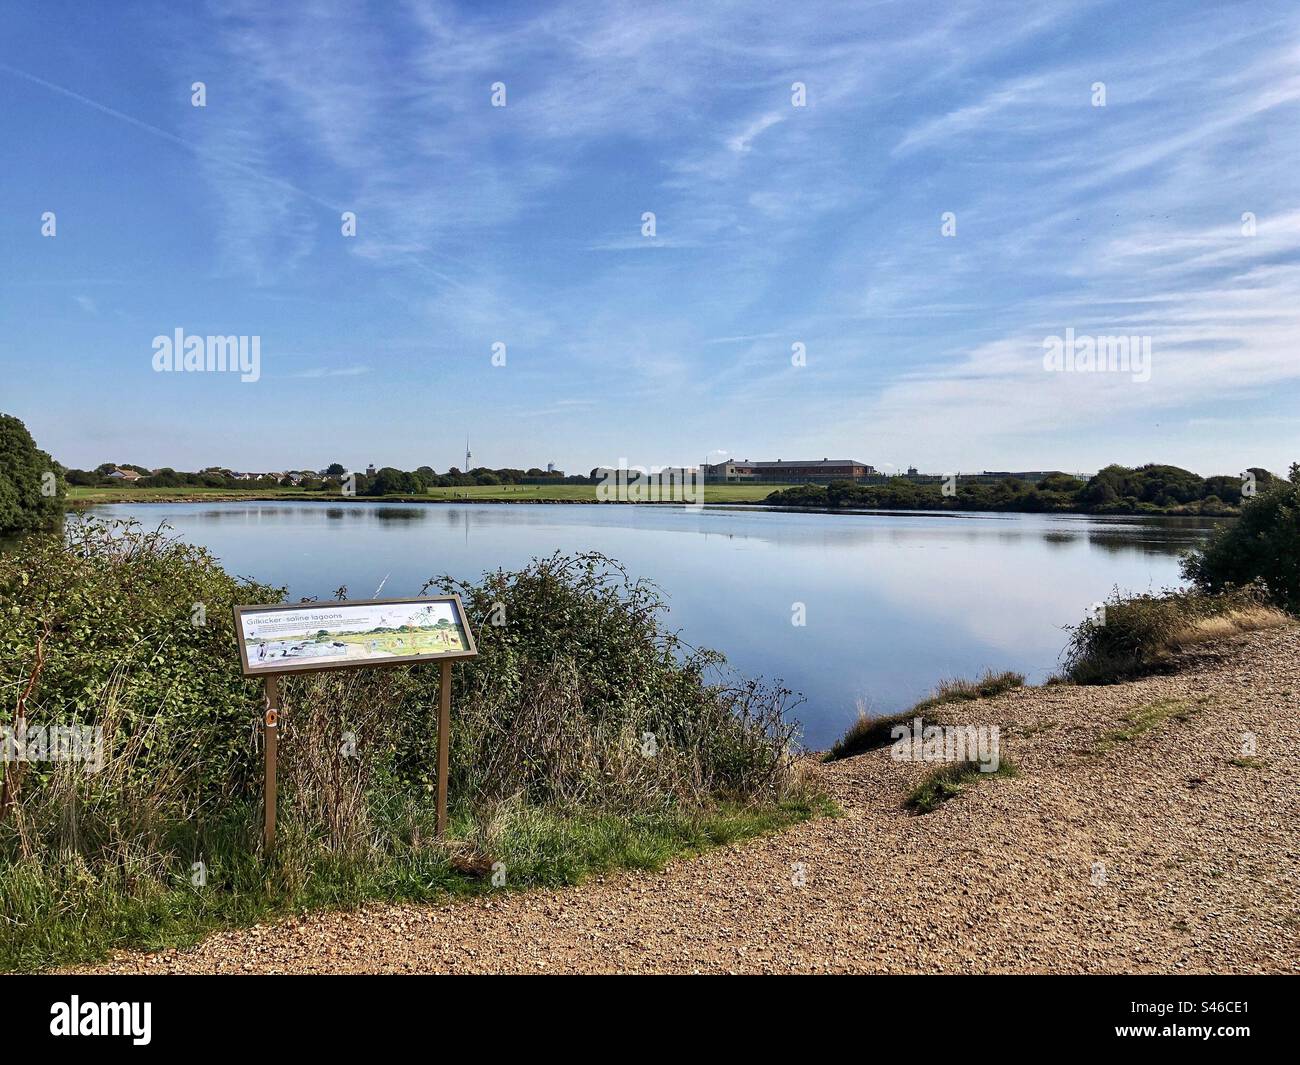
{"x": 306, "y": 637}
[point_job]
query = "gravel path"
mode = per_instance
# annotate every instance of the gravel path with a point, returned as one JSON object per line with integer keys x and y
{"x": 1200, "y": 863}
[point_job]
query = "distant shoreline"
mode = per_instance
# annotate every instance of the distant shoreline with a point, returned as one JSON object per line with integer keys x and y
{"x": 1152, "y": 490}
{"x": 127, "y": 497}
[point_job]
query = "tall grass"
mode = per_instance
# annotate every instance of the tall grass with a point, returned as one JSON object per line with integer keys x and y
{"x": 869, "y": 733}
{"x": 1140, "y": 633}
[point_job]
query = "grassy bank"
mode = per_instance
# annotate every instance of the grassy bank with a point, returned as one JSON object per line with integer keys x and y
{"x": 586, "y": 737}
{"x": 869, "y": 733}
{"x": 62, "y": 917}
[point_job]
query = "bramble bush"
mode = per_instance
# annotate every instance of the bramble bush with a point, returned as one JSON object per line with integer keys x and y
{"x": 1141, "y": 633}
{"x": 584, "y": 733}
{"x": 579, "y": 675}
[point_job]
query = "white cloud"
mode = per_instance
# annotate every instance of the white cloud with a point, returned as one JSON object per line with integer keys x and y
{"x": 744, "y": 140}
{"x": 327, "y": 371}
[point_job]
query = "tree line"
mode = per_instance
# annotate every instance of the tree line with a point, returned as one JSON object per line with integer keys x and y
{"x": 386, "y": 481}
{"x": 1150, "y": 489}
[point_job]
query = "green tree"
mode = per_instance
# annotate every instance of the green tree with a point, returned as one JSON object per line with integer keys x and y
{"x": 164, "y": 478}
{"x": 1060, "y": 482}
{"x": 1108, "y": 487}
{"x": 1168, "y": 485}
{"x": 1262, "y": 545}
{"x": 390, "y": 481}
{"x": 31, "y": 483}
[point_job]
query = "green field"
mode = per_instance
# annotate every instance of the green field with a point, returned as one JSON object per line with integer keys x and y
{"x": 407, "y": 643}
{"x": 487, "y": 493}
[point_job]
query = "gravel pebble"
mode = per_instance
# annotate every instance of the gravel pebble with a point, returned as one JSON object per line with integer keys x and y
{"x": 1201, "y": 863}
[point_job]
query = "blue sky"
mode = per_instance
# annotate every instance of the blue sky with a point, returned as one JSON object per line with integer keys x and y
{"x": 775, "y": 225}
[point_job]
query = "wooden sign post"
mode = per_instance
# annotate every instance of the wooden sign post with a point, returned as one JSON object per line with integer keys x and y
{"x": 352, "y": 634}
{"x": 270, "y": 749}
{"x": 444, "y": 744}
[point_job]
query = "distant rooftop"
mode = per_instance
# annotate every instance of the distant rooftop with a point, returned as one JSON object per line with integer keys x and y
{"x": 809, "y": 462}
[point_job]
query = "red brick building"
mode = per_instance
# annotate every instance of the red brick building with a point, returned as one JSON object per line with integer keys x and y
{"x": 789, "y": 471}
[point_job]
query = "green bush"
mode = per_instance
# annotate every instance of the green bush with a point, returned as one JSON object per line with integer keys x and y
{"x": 1138, "y": 633}
{"x": 575, "y": 671}
{"x": 579, "y": 711}
{"x": 110, "y": 616}
{"x": 1262, "y": 546}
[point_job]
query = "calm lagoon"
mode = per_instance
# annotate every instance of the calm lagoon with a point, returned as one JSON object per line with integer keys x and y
{"x": 892, "y": 602}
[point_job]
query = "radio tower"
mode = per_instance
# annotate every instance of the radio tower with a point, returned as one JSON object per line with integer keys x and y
{"x": 465, "y": 468}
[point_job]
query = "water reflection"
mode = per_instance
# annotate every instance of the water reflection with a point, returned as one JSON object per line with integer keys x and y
{"x": 893, "y": 601}
{"x": 404, "y": 514}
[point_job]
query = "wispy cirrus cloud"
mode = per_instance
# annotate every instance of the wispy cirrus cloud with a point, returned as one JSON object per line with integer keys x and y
{"x": 817, "y": 224}
{"x": 317, "y": 372}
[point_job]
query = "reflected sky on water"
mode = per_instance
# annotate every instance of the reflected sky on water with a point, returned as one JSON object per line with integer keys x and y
{"x": 893, "y": 602}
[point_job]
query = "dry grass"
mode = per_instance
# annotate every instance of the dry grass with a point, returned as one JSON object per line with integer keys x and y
{"x": 1140, "y": 634}
{"x": 868, "y": 733}
{"x": 1250, "y": 619}
{"x": 960, "y": 690}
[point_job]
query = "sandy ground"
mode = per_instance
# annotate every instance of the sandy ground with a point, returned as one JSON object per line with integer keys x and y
{"x": 1199, "y": 863}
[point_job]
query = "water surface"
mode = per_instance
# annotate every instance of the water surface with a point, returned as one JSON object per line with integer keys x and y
{"x": 892, "y": 602}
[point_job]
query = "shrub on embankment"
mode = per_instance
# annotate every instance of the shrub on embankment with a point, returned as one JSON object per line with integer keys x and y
{"x": 1262, "y": 546}
{"x": 584, "y": 735}
{"x": 1245, "y": 578}
{"x": 1138, "y": 634}
{"x": 869, "y": 733}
